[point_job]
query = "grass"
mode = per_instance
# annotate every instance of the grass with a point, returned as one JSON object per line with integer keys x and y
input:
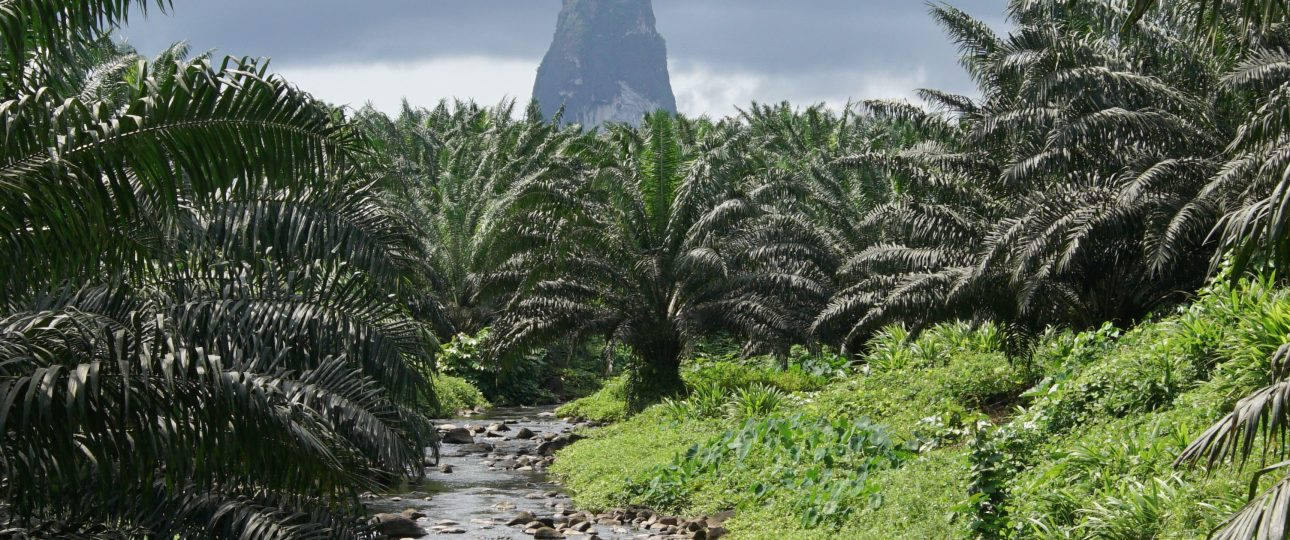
{"x": 1076, "y": 439}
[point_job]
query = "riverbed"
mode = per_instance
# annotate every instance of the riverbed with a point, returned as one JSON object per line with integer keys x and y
{"x": 482, "y": 493}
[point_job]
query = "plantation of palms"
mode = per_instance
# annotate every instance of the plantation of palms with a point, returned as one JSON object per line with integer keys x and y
{"x": 1052, "y": 308}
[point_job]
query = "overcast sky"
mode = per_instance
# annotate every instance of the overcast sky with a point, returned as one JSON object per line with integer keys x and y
{"x": 722, "y": 53}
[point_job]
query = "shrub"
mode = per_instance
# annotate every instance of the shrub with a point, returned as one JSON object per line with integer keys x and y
{"x": 455, "y": 394}
{"x": 756, "y": 401}
{"x": 609, "y": 404}
{"x": 731, "y": 375}
{"x": 517, "y": 380}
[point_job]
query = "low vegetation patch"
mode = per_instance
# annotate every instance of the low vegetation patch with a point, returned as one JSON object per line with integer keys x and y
{"x": 454, "y": 395}
{"x": 945, "y": 436}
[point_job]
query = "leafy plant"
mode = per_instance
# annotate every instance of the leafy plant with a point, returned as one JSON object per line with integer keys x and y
{"x": 209, "y": 318}
{"x": 756, "y": 402}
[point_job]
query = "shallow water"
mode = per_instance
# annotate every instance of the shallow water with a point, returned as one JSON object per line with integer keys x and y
{"x": 481, "y": 500}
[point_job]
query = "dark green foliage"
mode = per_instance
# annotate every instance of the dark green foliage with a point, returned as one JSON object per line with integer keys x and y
{"x": 642, "y": 244}
{"x": 207, "y": 316}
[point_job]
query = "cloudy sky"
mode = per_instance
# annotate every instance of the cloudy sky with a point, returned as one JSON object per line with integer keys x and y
{"x": 722, "y": 53}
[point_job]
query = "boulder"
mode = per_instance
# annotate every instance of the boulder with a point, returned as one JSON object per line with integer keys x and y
{"x": 498, "y": 427}
{"x": 397, "y": 526}
{"x": 458, "y": 436}
{"x": 413, "y": 514}
{"x": 447, "y": 469}
{"x": 476, "y": 448}
{"x": 547, "y": 532}
{"x": 521, "y": 519}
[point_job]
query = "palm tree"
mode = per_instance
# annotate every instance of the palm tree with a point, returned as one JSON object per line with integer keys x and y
{"x": 452, "y": 165}
{"x": 1065, "y": 190}
{"x": 1250, "y": 192}
{"x": 206, "y": 315}
{"x": 1213, "y": 13}
{"x": 643, "y": 247}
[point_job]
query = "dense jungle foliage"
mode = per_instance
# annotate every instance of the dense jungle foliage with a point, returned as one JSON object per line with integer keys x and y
{"x": 1051, "y": 309}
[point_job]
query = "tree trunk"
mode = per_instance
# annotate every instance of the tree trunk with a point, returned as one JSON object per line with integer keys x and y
{"x": 657, "y": 373}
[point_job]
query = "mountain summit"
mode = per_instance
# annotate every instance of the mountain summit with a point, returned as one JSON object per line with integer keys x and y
{"x": 607, "y": 63}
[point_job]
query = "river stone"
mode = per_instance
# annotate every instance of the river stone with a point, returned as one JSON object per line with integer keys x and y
{"x": 521, "y": 519}
{"x": 498, "y": 427}
{"x": 546, "y": 415}
{"x": 458, "y": 436}
{"x": 397, "y": 526}
{"x": 476, "y": 448}
{"x": 447, "y": 469}
{"x": 547, "y": 532}
{"x": 523, "y": 433}
{"x": 413, "y": 514}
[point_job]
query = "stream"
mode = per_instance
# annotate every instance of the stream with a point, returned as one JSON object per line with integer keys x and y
{"x": 486, "y": 489}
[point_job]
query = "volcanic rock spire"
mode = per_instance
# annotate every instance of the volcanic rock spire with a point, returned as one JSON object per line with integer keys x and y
{"x": 607, "y": 63}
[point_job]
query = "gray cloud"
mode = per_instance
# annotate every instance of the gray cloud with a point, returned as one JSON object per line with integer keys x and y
{"x": 805, "y": 50}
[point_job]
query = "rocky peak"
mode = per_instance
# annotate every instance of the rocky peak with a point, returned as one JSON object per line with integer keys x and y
{"x": 607, "y": 63}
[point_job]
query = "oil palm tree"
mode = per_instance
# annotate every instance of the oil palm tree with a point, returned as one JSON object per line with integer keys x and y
{"x": 640, "y": 244}
{"x": 452, "y": 165}
{"x": 1213, "y": 13}
{"x": 206, "y": 325}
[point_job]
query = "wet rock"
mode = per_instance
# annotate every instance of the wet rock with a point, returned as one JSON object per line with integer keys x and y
{"x": 445, "y": 523}
{"x": 476, "y": 448}
{"x": 413, "y": 514}
{"x": 523, "y": 433}
{"x": 447, "y": 469}
{"x": 397, "y": 526}
{"x": 547, "y": 532}
{"x": 546, "y": 415}
{"x": 521, "y": 518}
{"x": 458, "y": 436}
{"x": 451, "y": 530}
{"x": 498, "y": 428}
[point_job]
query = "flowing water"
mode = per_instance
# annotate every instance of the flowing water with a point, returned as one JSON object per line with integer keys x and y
{"x": 480, "y": 500}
